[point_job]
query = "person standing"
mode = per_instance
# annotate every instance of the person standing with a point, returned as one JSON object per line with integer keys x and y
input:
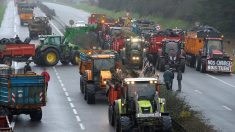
{"x": 27, "y": 67}
{"x": 179, "y": 78}
{"x": 168, "y": 77}
{"x": 47, "y": 77}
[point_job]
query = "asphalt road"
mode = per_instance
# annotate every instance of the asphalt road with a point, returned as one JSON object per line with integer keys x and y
{"x": 66, "y": 109}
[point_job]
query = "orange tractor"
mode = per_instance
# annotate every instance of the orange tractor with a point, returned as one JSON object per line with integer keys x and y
{"x": 96, "y": 68}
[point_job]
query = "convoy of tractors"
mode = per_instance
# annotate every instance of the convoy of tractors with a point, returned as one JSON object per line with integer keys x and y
{"x": 118, "y": 45}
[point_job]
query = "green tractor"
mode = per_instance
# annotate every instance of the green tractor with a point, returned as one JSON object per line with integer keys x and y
{"x": 55, "y": 48}
{"x": 133, "y": 53}
{"x": 139, "y": 108}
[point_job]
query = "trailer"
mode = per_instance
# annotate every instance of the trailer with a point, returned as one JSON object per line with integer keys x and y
{"x": 22, "y": 94}
{"x": 4, "y": 124}
{"x": 19, "y": 52}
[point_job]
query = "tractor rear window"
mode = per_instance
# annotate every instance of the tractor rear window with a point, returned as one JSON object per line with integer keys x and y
{"x": 171, "y": 46}
{"x": 104, "y": 64}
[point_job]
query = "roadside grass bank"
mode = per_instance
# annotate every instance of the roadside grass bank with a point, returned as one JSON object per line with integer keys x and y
{"x": 184, "y": 114}
{"x": 2, "y": 10}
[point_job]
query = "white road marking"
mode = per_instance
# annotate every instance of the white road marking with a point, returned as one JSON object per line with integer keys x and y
{"x": 13, "y": 124}
{"x": 82, "y": 126}
{"x": 58, "y": 77}
{"x": 197, "y": 91}
{"x": 71, "y": 105}
{"x": 227, "y": 108}
{"x": 69, "y": 99}
{"x": 66, "y": 93}
{"x": 75, "y": 111}
{"x": 62, "y": 84}
{"x": 64, "y": 89}
{"x": 56, "y": 28}
{"x": 56, "y": 73}
{"x": 78, "y": 118}
{"x": 60, "y": 80}
{"x": 221, "y": 80}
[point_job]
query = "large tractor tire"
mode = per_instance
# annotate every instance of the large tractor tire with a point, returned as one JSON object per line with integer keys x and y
{"x": 167, "y": 123}
{"x": 125, "y": 124}
{"x": 51, "y": 57}
{"x": 197, "y": 64}
{"x": 36, "y": 115}
{"x": 90, "y": 94}
{"x": 203, "y": 66}
{"x": 7, "y": 61}
{"x": 81, "y": 85}
{"x": 162, "y": 65}
{"x": 75, "y": 58}
{"x": 111, "y": 115}
{"x": 37, "y": 59}
{"x": 64, "y": 62}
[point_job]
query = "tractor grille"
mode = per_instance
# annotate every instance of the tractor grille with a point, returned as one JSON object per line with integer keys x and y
{"x": 145, "y": 110}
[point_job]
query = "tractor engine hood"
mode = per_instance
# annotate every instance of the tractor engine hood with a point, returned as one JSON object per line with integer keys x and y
{"x": 105, "y": 75}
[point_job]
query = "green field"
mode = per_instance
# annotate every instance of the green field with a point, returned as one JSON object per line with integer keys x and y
{"x": 2, "y": 10}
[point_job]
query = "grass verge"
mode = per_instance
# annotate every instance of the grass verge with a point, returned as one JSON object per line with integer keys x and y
{"x": 2, "y": 10}
{"x": 183, "y": 114}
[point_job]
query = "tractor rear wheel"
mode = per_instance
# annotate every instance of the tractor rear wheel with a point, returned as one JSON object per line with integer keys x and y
{"x": 64, "y": 62}
{"x": 75, "y": 58}
{"x": 162, "y": 65}
{"x": 36, "y": 115}
{"x": 51, "y": 57}
{"x": 81, "y": 85}
{"x": 111, "y": 115}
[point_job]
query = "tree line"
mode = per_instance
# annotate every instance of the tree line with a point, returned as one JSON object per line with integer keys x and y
{"x": 217, "y": 13}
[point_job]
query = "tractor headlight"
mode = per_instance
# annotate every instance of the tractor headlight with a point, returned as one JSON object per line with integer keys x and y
{"x": 132, "y": 82}
{"x": 133, "y": 58}
{"x": 105, "y": 82}
{"x": 144, "y": 50}
{"x": 137, "y": 58}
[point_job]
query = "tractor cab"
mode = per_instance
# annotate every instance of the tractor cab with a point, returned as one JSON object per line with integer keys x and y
{"x": 50, "y": 39}
{"x": 139, "y": 107}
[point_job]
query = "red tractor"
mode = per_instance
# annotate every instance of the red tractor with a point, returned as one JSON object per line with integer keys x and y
{"x": 171, "y": 53}
{"x": 155, "y": 43}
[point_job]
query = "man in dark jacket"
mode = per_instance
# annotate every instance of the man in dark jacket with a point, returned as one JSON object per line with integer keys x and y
{"x": 179, "y": 78}
{"x": 168, "y": 78}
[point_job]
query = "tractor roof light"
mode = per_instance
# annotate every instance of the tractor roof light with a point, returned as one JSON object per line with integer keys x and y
{"x": 133, "y": 40}
{"x": 132, "y": 82}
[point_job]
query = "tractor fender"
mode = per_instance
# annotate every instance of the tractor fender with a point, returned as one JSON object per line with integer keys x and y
{"x": 45, "y": 47}
{"x": 88, "y": 75}
{"x": 118, "y": 106}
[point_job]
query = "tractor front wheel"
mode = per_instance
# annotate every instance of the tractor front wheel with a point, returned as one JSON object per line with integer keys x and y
{"x": 111, "y": 115}
{"x": 75, "y": 58}
{"x": 90, "y": 94}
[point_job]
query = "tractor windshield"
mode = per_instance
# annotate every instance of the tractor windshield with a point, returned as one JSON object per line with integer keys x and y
{"x": 104, "y": 64}
{"x": 214, "y": 45}
{"x": 171, "y": 47}
{"x": 142, "y": 90}
{"x": 136, "y": 45}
